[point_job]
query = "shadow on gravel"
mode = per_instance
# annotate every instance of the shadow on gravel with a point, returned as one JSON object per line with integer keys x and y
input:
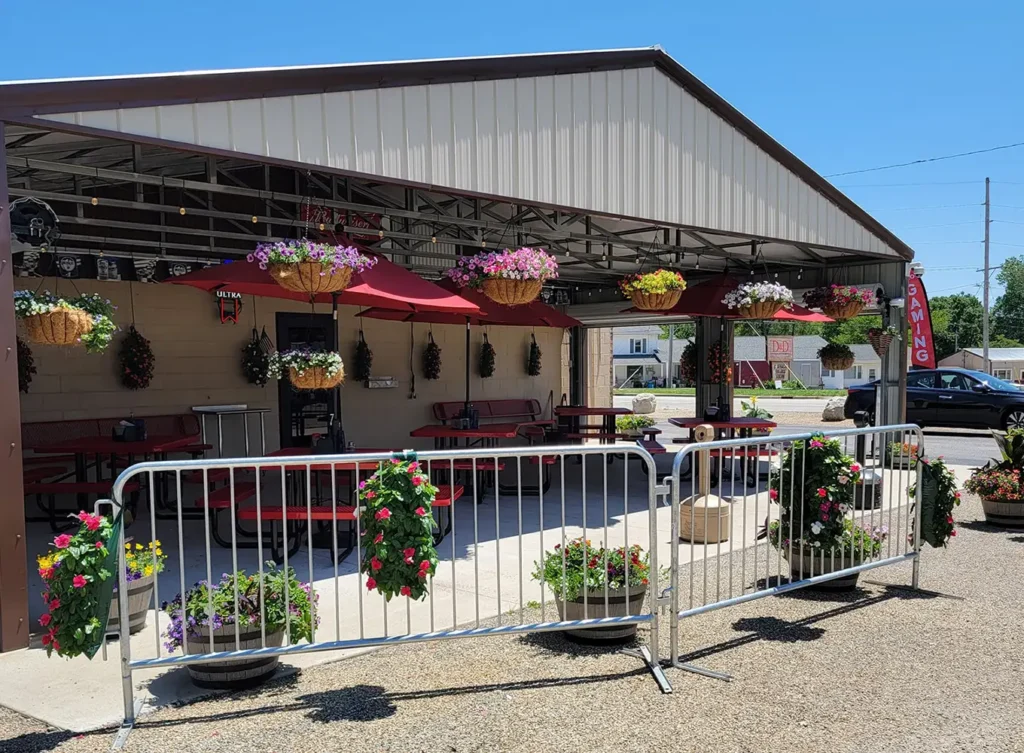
{"x": 774, "y": 629}
{"x": 39, "y": 742}
{"x": 986, "y": 527}
{"x": 1017, "y": 539}
{"x": 556, "y": 643}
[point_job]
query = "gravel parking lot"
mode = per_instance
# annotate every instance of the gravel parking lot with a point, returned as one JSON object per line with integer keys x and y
{"x": 878, "y": 669}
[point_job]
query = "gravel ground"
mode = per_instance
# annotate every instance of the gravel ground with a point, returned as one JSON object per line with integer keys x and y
{"x": 879, "y": 669}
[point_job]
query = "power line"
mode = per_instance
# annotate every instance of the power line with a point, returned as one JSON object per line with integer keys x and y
{"x": 945, "y": 224}
{"x": 904, "y": 185}
{"x": 936, "y": 206}
{"x": 922, "y": 243}
{"x": 928, "y": 159}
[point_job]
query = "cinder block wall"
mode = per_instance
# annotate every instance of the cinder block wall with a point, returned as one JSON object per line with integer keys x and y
{"x": 198, "y": 362}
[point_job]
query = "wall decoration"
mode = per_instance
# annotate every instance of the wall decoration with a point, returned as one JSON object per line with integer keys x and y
{"x": 136, "y": 360}
{"x": 533, "y": 364}
{"x": 486, "y": 359}
{"x": 431, "y": 359}
{"x": 363, "y": 359}
{"x": 26, "y": 366}
{"x": 256, "y": 359}
{"x": 229, "y": 305}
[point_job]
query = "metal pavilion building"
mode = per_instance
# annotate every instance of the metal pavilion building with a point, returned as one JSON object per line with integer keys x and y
{"x": 609, "y": 159}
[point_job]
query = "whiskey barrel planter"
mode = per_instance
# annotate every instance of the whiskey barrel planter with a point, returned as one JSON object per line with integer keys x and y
{"x": 815, "y": 563}
{"x": 1001, "y": 512}
{"x": 620, "y": 604}
{"x": 238, "y": 673}
{"x": 511, "y": 292}
{"x": 139, "y": 594}
{"x": 311, "y": 277}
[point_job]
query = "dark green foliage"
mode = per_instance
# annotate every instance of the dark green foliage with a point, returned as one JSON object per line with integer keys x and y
{"x": 26, "y": 365}
{"x": 486, "y": 359}
{"x": 533, "y": 364}
{"x": 256, "y": 361}
{"x": 363, "y": 359}
{"x": 431, "y": 359}
{"x": 136, "y": 360}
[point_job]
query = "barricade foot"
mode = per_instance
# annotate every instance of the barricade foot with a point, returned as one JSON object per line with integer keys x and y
{"x": 703, "y": 672}
{"x": 121, "y": 738}
{"x": 644, "y": 654}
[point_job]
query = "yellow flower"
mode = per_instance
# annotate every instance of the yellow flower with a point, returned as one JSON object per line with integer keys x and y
{"x": 147, "y": 570}
{"x": 138, "y": 546}
{"x": 127, "y": 547}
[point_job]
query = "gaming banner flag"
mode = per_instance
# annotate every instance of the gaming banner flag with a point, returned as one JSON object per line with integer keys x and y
{"x": 919, "y": 323}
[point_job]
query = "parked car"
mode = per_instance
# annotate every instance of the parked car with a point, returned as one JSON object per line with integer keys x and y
{"x": 950, "y": 397}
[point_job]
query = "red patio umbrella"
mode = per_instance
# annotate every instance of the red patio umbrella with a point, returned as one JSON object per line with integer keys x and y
{"x": 535, "y": 314}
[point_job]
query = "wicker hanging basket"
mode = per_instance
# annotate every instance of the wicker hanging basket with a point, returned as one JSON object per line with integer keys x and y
{"x": 511, "y": 292}
{"x": 311, "y": 277}
{"x": 315, "y": 378}
{"x": 761, "y": 309}
{"x": 836, "y": 364}
{"x": 655, "y": 301}
{"x": 843, "y": 311}
{"x": 880, "y": 342}
{"x": 59, "y": 327}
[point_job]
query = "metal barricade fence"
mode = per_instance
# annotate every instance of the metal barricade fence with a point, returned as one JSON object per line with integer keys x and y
{"x": 522, "y": 501}
{"x": 745, "y": 560}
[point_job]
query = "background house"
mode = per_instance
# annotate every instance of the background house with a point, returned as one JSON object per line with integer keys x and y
{"x": 866, "y": 368}
{"x": 1006, "y": 363}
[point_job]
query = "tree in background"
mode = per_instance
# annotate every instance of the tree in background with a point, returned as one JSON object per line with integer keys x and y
{"x": 685, "y": 331}
{"x": 956, "y": 323}
{"x": 1008, "y": 313}
{"x": 850, "y": 331}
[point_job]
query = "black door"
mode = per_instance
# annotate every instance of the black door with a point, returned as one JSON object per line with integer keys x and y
{"x": 303, "y": 413}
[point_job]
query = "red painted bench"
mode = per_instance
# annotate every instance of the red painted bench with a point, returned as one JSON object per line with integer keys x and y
{"x": 35, "y": 475}
{"x": 517, "y": 410}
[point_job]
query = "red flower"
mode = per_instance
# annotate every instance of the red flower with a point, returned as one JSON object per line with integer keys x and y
{"x": 773, "y": 493}
{"x": 46, "y": 573}
{"x": 383, "y": 513}
{"x": 45, "y": 620}
{"x": 370, "y": 494}
{"x": 408, "y": 555}
{"x": 379, "y": 538}
{"x": 424, "y": 566}
{"x": 92, "y": 522}
{"x": 405, "y": 591}
{"x": 62, "y": 541}
{"x": 413, "y": 467}
{"x": 99, "y": 544}
{"x": 420, "y": 511}
{"x": 370, "y": 584}
{"x": 822, "y": 493}
{"x": 417, "y": 480}
{"x": 854, "y": 467}
{"x": 376, "y": 564}
{"x": 55, "y": 604}
{"x": 79, "y": 581}
{"x": 47, "y": 639}
{"x": 952, "y": 533}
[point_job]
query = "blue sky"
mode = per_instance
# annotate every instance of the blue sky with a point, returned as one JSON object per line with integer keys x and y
{"x": 845, "y": 86}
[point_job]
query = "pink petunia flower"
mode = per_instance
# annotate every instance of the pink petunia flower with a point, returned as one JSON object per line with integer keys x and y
{"x": 99, "y": 544}
{"x": 420, "y": 511}
{"x": 413, "y": 467}
{"x": 45, "y": 620}
{"x": 55, "y": 604}
{"x": 370, "y": 584}
{"x": 405, "y": 591}
{"x": 417, "y": 480}
{"x": 816, "y": 445}
{"x": 424, "y": 565}
{"x": 383, "y": 514}
{"x": 62, "y": 542}
{"x": 79, "y": 581}
{"x": 362, "y": 484}
{"x": 854, "y": 467}
{"x": 370, "y": 494}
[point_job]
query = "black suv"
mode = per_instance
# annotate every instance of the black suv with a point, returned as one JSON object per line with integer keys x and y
{"x": 950, "y": 397}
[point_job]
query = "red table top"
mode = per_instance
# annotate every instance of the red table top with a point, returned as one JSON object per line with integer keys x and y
{"x": 739, "y": 422}
{"x": 485, "y": 431}
{"x": 107, "y": 445}
{"x": 585, "y": 410}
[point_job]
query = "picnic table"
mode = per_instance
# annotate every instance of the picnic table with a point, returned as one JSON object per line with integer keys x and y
{"x": 743, "y": 425}
{"x": 486, "y": 435}
{"x": 575, "y": 430}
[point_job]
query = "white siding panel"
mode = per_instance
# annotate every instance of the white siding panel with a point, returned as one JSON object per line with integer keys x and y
{"x": 310, "y": 146}
{"x": 279, "y": 127}
{"x": 563, "y": 154}
{"x": 417, "y": 133}
{"x": 486, "y": 137}
{"x": 506, "y": 183}
{"x": 465, "y": 136}
{"x": 442, "y": 135}
{"x": 341, "y": 140}
{"x": 626, "y": 142}
{"x": 175, "y": 123}
{"x": 526, "y": 154}
{"x": 246, "y": 116}
{"x": 367, "y": 132}
{"x": 545, "y": 139}
{"x": 392, "y": 132}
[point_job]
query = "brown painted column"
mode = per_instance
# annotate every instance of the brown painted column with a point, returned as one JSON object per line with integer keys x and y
{"x": 14, "y": 625}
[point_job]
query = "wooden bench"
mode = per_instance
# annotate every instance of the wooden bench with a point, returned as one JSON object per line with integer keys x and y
{"x": 35, "y": 475}
{"x": 50, "y": 490}
{"x": 516, "y": 410}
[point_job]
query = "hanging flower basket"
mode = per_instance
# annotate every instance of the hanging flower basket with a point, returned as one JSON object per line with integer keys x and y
{"x": 836, "y": 357}
{"x": 881, "y": 339}
{"x": 308, "y": 369}
{"x": 939, "y": 496}
{"x": 759, "y": 300}
{"x": 654, "y": 291}
{"x": 307, "y": 267}
{"x": 511, "y": 278}
{"x": 50, "y": 320}
{"x": 839, "y": 301}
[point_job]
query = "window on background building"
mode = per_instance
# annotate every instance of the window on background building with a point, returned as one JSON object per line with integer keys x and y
{"x": 871, "y": 375}
{"x": 638, "y": 345}
{"x": 858, "y": 372}
{"x": 1002, "y": 373}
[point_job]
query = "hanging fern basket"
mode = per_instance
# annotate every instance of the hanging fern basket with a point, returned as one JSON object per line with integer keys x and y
{"x": 511, "y": 292}
{"x": 655, "y": 301}
{"x": 59, "y": 327}
{"x": 311, "y": 277}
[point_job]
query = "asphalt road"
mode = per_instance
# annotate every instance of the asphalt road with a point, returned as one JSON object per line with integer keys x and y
{"x": 684, "y": 405}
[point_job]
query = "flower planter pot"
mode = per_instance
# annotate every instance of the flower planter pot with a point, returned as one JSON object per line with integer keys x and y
{"x": 315, "y": 378}
{"x": 1001, "y": 512}
{"x": 511, "y": 292}
{"x": 139, "y": 593}
{"x": 620, "y": 604}
{"x": 837, "y": 364}
{"x": 311, "y": 277}
{"x": 843, "y": 311}
{"x": 655, "y": 301}
{"x": 60, "y": 327}
{"x": 815, "y": 564}
{"x": 880, "y": 343}
{"x": 761, "y": 310}
{"x": 240, "y": 673}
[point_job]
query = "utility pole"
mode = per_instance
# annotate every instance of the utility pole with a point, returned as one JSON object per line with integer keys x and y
{"x": 984, "y": 334}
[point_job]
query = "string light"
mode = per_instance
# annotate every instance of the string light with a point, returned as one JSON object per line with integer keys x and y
{"x": 322, "y": 226}
{"x": 433, "y": 239}
{"x": 380, "y": 233}
{"x": 255, "y": 219}
{"x": 181, "y": 210}
{"x": 698, "y": 262}
{"x": 95, "y": 201}
{"x": 800, "y": 274}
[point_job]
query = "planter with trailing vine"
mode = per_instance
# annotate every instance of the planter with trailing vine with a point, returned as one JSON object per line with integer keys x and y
{"x": 304, "y": 266}
{"x": 308, "y": 369}
{"x": 839, "y": 301}
{"x": 85, "y": 319}
{"x": 654, "y": 291}
{"x": 1000, "y": 484}
{"x": 836, "y": 356}
{"x": 759, "y": 300}
{"x": 511, "y": 278}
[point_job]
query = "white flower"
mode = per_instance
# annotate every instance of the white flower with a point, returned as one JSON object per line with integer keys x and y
{"x": 816, "y": 529}
{"x": 844, "y": 508}
{"x": 816, "y": 544}
{"x": 844, "y": 479}
{"x": 752, "y": 292}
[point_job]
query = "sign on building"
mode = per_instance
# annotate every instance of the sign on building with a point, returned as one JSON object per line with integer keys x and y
{"x": 780, "y": 349}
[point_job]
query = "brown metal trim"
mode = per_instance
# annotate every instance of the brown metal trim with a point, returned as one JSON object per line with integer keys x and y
{"x": 21, "y": 100}
{"x": 14, "y": 627}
